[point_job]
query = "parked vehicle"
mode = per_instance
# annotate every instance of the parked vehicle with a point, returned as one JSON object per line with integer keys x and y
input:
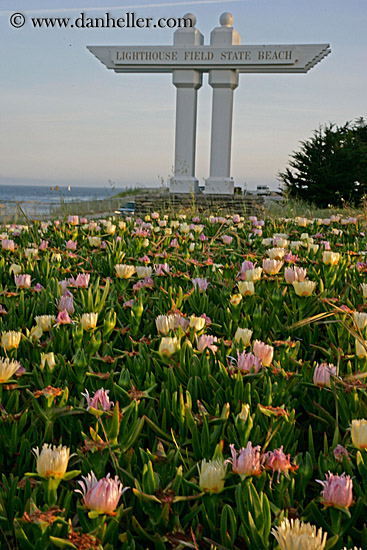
{"x": 127, "y": 209}
{"x": 262, "y": 190}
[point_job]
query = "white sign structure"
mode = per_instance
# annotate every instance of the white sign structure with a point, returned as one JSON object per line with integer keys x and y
{"x": 224, "y": 59}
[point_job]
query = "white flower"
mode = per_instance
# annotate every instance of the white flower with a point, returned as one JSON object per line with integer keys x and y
{"x": 89, "y": 321}
{"x": 212, "y": 474}
{"x": 7, "y": 369}
{"x": 165, "y": 323}
{"x": 124, "y": 271}
{"x": 52, "y": 461}
{"x": 243, "y": 335}
{"x": 296, "y": 535}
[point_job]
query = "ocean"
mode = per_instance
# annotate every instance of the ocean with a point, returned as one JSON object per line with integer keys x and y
{"x": 40, "y": 199}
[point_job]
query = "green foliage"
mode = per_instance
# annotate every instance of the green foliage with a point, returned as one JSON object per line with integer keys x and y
{"x": 331, "y": 167}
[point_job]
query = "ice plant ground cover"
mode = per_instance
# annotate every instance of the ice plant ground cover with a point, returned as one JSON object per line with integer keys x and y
{"x": 183, "y": 383}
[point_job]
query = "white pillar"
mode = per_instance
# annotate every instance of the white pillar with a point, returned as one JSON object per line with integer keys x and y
{"x": 223, "y": 83}
{"x": 187, "y": 82}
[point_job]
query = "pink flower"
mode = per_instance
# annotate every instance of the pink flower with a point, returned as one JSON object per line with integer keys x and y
{"x": 227, "y": 239}
{"x": 202, "y": 237}
{"x": 206, "y": 341}
{"x": 83, "y": 220}
{"x": 37, "y": 288}
{"x": 291, "y": 258}
{"x": 258, "y": 232}
{"x": 23, "y": 281}
{"x": 247, "y": 463}
{"x": 118, "y": 239}
{"x": 64, "y": 285}
{"x": 339, "y": 452}
{"x": 103, "y": 495}
{"x": 247, "y": 362}
{"x": 295, "y": 274}
{"x": 263, "y": 352}
{"x": 253, "y": 219}
{"x": 8, "y": 244}
{"x": 321, "y": 375}
{"x": 208, "y": 320}
{"x": 174, "y": 243}
{"x": 272, "y": 266}
{"x": 43, "y": 245}
{"x": 71, "y": 245}
{"x": 63, "y": 318}
{"x": 337, "y": 490}
{"x": 245, "y": 266}
{"x": 200, "y": 283}
{"x": 73, "y": 220}
{"x": 144, "y": 283}
{"x": 277, "y": 461}
{"x": 139, "y": 232}
{"x": 162, "y": 269}
{"x": 326, "y": 245}
{"x": 145, "y": 259}
{"x": 181, "y": 321}
{"x": 66, "y": 302}
{"x": 99, "y": 401}
{"x": 236, "y": 218}
{"x": 196, "y": 219}
{"x": 129, "y": 303}
{"x": 82, "y": 280}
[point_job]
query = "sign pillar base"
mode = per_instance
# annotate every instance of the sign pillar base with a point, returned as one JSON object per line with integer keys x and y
{"x": 219, "y": 186}
{"x": 184, "y": 184}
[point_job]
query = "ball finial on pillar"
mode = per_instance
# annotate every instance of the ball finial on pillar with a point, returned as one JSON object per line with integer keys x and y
{"x": 192, "y": 18}
{"x": 226, "y": 19}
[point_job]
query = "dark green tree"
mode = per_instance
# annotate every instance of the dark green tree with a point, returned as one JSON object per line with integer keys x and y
{"x": 331, "y": 167}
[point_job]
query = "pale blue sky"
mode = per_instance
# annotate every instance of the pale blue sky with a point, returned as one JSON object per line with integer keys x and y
{"x": 65, "y": 118}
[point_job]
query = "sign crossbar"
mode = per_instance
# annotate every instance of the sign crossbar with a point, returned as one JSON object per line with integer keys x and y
{"x": 224, "y": 59}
